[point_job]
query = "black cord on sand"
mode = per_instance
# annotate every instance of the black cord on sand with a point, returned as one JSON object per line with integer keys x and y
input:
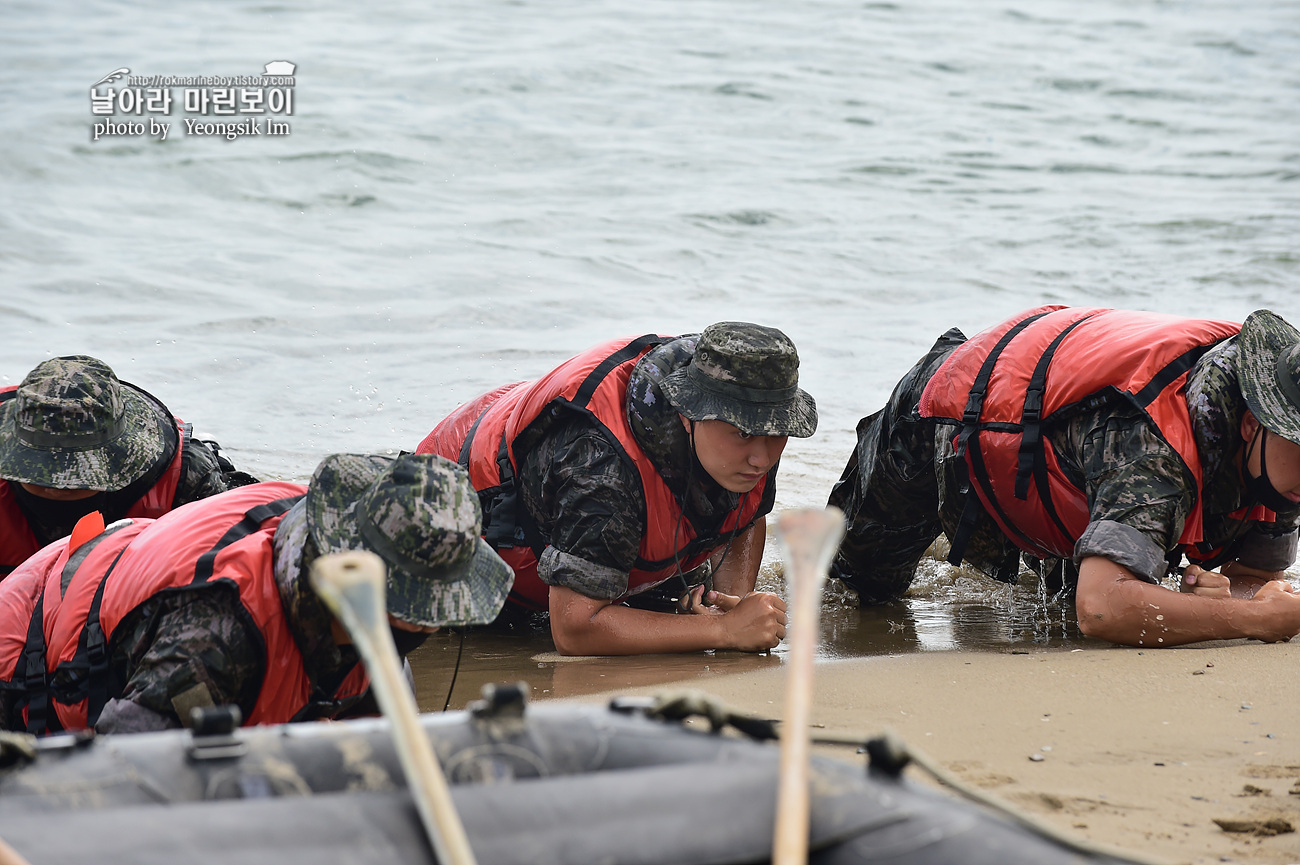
{"x": 455, "y": 671}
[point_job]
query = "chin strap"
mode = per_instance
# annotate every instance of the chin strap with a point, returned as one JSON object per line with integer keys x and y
{"x": 1261, "y": 489}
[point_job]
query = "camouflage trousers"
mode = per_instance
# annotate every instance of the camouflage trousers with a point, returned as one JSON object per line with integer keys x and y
{"x": 889, "y": 490}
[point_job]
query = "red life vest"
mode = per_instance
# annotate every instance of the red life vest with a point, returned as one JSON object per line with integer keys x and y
{"x": 17, "y": 541}
{"x": 1003, "y": 386}
{"x": 482, "y": 435}
{"x": 83, "y": 594}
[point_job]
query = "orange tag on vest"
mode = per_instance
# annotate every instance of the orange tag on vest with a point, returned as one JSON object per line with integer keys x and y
{"x": 89, "y": 526}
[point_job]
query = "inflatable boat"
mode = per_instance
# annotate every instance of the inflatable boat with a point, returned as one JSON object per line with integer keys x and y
{"x": 628, "y": 783}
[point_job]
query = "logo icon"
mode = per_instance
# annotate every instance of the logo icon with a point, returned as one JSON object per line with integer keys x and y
{"x": 112, "y": 76}
{"x": 279, "y": 67}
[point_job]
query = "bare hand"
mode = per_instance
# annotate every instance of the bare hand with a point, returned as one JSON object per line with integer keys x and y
{"x": 694, "y": 601}
{"x": 1281, "y": 595}
{"x": 1206, "y": 584}
{"x": 753, "y": 623}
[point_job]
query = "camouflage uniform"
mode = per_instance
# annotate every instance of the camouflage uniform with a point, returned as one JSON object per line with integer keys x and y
{"x": 200, "y": 646}
{"x": 586, "y": 499}
{"x": 901, "y": 486}
{"x": 72, "y": 424}
{"x": 180, "y": 650}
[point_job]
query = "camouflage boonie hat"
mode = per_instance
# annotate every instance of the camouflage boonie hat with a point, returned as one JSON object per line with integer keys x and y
{"x": 747, "y": 375}
{"x": 1270, "y": 372}
{"x": 420, "y": 514}
{"x": 72, "y": 425}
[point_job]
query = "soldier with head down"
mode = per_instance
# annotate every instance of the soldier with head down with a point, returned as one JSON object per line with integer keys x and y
{"x": 638, "y": 472}
{"x": 1104, "y": 447}
{"x": 136, "y": 626}
{"x": 74, "y": 439}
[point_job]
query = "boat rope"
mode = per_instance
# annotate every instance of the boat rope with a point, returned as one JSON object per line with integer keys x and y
{"x": 679, "y": 705}
{"x": 892, "y": 754}
{"x": 888, "y": 753}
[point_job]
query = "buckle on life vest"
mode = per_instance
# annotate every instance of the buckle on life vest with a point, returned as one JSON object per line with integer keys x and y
{"x": 97, "y": 673}
{"x": 1031, "y": 436}
{"x": 36, "y": 687}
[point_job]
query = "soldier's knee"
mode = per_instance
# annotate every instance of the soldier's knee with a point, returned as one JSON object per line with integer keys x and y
{"x": 874, "y": 586}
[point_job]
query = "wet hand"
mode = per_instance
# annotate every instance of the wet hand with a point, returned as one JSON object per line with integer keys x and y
{"x": 755, "y": 622}
{"x": 695, "y": 601}
{"x": 1206, "y": 584}
{"x": 1281, "y": 596}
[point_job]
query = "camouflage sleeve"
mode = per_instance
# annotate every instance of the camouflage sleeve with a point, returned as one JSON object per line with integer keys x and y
{"x": 201, "y": 474}
{"x": 1139, "y": 492}
{"x": 1267, "y": 546}
{"x": 1123, "y": 545}
{"x": 185, "y": 650}
{"x": 588, "y": 503}
{"x": 123, "y": 716}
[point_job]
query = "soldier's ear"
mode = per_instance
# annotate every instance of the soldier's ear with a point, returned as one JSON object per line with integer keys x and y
{"x": 1249, "y": 425}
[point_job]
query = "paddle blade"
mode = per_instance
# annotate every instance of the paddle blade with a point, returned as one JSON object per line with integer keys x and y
{"x": 808, "y": 539}
{"x": 352, "y": 585}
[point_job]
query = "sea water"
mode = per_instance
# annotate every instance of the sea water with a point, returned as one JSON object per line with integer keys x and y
{"x": 464, "y": 193}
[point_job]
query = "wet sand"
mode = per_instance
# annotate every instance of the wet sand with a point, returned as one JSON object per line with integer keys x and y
{"x": 969, "y": 613}
{"x": 1142, "y": 750}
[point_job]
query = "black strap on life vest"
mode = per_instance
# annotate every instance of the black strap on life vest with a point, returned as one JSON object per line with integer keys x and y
{"x": 622, "y": 356}
{"x": 252, "y": 521}
{"x": 463, "y": 456}
{"x": 94, "y": 645}
{"x": 35, "y": 682}
{"x": 1175, "y": 368}
{"x": 487, "y": 498}
{"x": 506, "y": 526}
{"x": 1031, "y": 459}
{"x": 968, "y": 446}
{"x": 1031, "y": 435}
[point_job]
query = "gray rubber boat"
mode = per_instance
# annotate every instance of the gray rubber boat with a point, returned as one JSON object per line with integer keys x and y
{"x": 549, "y": 784}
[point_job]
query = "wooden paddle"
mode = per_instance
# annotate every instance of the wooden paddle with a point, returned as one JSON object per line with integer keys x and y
{"x": 10, "y": 856}
{"x": 808, "y": 540}
{"x": 352, "y": 585}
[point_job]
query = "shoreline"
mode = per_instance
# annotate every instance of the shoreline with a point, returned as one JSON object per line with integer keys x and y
{"x": 1140, "y": 750}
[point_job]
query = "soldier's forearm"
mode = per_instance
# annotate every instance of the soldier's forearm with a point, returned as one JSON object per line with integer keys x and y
{"x": 738, "y": 573}
{"x": 1114, "y": 605}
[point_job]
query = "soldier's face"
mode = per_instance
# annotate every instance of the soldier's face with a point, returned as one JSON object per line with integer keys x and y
{"x": 55, "y": 494}
{"x": 736, "y": 460}
{"x": 1283, "y": 459}
{"x": 403, "y": 625}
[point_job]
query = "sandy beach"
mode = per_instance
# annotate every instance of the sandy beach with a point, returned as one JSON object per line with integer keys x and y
{"x": 1140, "y": 750}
